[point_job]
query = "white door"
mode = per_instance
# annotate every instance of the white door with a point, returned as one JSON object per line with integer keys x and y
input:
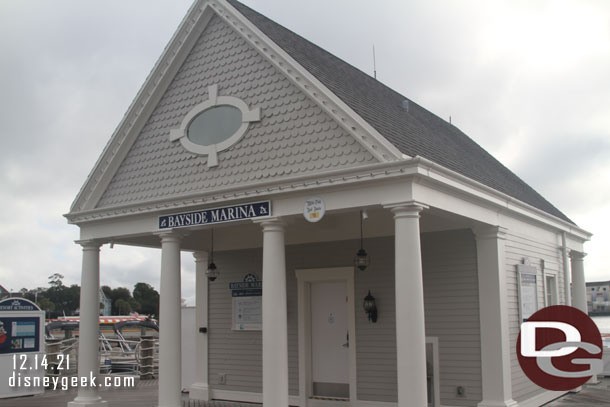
{"x": 329, "y": 339}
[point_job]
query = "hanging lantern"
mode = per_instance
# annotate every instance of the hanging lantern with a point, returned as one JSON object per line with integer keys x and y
{"x": 362, "y": 259}
{"x": 212, "y": 271}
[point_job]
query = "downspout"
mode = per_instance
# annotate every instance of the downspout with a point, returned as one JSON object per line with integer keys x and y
{"x": 566, "y": 270}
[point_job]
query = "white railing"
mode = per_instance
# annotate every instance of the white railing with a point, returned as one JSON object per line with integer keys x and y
{"x": 118, "y": 356}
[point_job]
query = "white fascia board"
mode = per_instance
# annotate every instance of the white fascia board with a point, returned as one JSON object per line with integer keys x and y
{"x": 448, "y": 182}
{"x": 509, "y": 205}
{"x": 133, "y": 226}
{"x": 250, "y": 191}
{"x": 142, "y": 106}
{"x": 346, "y": 117}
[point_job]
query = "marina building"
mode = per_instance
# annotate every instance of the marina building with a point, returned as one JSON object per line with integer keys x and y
{"x": 351, "y": 248}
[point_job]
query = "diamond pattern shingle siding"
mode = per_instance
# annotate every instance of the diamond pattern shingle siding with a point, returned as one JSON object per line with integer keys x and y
{"x": 294, "y": 136}
{"x": 416, "y": 133}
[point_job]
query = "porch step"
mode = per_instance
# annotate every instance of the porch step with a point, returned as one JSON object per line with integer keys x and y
{"x": 329, "y": 398}
{"x": 216, "y": 403}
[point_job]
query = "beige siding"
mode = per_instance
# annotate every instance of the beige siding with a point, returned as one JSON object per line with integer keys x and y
{"x": 451, "y": 306}
{"x": 519, "y": 247}
{"x": 236, "y": 354}
{"x": 452, "y": 312}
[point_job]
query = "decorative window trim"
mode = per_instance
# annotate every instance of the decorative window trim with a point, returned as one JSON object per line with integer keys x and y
{"x": 247, "y": 116}
{"x": 553, "y": 289}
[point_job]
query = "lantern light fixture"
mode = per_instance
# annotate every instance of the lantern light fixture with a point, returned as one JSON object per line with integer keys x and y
{"x": 362, "y": 259}
{"x": 370, "y": 307}
{"x": 212, "y": 271}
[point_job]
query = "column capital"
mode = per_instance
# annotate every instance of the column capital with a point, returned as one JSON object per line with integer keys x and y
{"x": 271, "y": 224}
{"x": 201, "y": 256}
{"x": 489, "y": 232}
{"x": 171, "y": 235}
{"x": 574, "y": 255}
{"x": 406, "y": 209}
{"x": 90, "y": 244}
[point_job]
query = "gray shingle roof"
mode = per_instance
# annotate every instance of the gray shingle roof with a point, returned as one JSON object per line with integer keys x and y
{"x": 417, "y": 132}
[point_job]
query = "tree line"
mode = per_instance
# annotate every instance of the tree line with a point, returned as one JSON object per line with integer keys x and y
{"x": 58, "y": 299}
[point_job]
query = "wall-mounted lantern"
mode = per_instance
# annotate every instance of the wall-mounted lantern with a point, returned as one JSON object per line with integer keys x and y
{"x": 370, "y": 307}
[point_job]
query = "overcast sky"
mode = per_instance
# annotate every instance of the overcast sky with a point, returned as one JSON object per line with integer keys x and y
{"x": 529, "y": 81}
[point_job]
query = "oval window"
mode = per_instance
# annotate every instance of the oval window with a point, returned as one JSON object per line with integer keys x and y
{"x": 214, "y": 125}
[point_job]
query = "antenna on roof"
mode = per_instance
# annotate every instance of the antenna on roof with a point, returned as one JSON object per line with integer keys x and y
{"x": 374, "y": 64}
{"x": 449, "y": 119}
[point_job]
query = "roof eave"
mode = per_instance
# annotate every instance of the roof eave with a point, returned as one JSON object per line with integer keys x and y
{"x": 417, "y": 166}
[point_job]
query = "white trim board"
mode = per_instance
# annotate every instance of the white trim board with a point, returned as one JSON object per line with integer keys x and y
{"x": 244, "y": 396}
{"x": 249, "y": 397}
{"x": 541, "y": 399}
{"x": 345, "y": 116}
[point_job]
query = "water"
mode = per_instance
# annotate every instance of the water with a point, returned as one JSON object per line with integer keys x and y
{"x": 603, "y": 323}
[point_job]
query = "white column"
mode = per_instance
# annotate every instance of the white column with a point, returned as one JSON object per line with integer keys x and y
{"x": 88, "y": 342}
{"x": 275, "y": 325}
{"x": 170, "y": 362}
{"x": 566, "y": 270}
{"x": 410, "y": 327}
{"x": 579, "y": 287}
{"x": 200, "y": 389}
{"x": 493, "y": 312}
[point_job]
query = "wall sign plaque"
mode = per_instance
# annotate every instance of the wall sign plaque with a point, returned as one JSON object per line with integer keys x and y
{"x": 314, "y": 209}
{"x": 216, "y": 215}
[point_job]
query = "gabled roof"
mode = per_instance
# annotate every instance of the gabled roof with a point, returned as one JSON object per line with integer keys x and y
{"x": 417, "y": 132}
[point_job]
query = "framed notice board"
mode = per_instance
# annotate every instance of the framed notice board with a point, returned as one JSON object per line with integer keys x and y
{"x": 247, "y": 304}
{"x": 248, "y": 313}
{"x": 527, "y": 276}
{"x": 19, "y": 334}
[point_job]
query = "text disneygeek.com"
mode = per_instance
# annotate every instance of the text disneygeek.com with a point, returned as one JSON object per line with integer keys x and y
{"x": 64, "y": 383}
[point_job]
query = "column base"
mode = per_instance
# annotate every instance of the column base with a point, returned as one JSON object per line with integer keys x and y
{"x": 199, "y": 391}
{"x": 593, "y": 380}
{"x": 88, "y": 402}
{"x": 491, "y": 403}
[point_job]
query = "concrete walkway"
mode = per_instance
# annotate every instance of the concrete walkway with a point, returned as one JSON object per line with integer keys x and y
{"x": 144, "y": 394}
{"x": 590, "y": 396}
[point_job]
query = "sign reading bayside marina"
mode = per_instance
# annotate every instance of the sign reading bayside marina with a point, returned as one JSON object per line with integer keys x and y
{"x": 216, "y": 215}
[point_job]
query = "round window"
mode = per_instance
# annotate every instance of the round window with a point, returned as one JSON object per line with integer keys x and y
{"x": 214, "y": 125}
